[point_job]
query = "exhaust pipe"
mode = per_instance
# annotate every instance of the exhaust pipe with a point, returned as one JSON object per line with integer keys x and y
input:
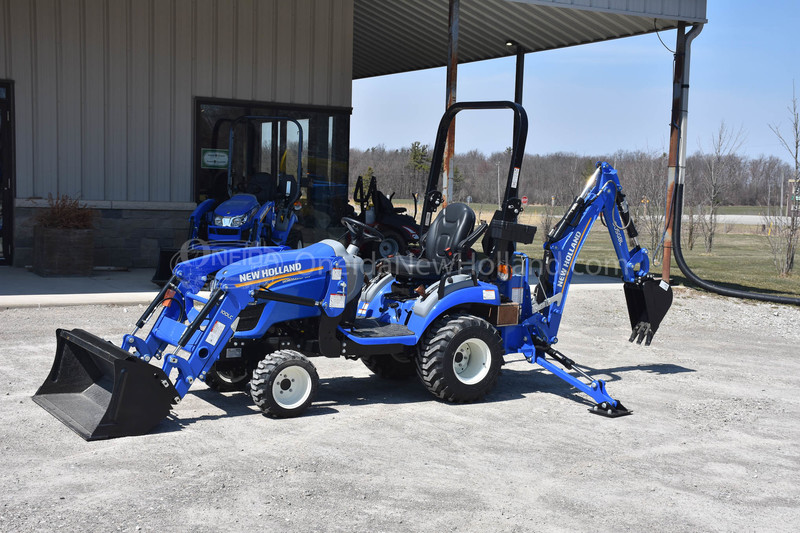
{"x": 100, "y": 391}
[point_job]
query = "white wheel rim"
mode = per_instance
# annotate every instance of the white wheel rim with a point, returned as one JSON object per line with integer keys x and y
{"x": 292, "y": 387}
{"x": 471, "y": 361}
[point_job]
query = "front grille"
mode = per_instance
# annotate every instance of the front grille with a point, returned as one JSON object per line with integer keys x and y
{"x": 223, "y": 231}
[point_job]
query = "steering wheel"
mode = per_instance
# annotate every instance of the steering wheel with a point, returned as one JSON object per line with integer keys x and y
{"x": 360, "y": 232}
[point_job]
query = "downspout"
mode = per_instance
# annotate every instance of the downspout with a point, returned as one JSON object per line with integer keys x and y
{"x": 677, "y": 174}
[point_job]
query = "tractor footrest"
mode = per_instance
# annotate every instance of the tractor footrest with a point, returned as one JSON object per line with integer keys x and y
{"x": 607, "y": 410}
{"x": 370, "y": 327}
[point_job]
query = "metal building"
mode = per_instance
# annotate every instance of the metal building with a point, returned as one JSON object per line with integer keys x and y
{"x": 113, "y": 101}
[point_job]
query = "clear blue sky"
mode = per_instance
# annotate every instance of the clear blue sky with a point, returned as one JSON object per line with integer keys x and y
{"x": 598, "y": 98}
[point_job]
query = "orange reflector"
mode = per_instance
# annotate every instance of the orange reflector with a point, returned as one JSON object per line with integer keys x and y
{"x": 503, "y": 272}
{"x": 167, "y": 301}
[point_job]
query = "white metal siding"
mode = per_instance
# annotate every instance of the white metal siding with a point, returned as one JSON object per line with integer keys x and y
{"x": 104, "y": 88}
{"x": 686, "y": 10}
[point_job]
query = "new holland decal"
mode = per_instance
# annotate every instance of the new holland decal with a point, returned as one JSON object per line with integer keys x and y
{"x": 273, "y": 275}
{"x": 269, "y": 272}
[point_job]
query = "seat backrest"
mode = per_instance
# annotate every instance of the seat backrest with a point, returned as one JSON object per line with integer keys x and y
{"x": 287, "y": 188}
{"x": 450, "y": 227}
{"x": 262, "y": 185}
{"x": 383, "y": 205}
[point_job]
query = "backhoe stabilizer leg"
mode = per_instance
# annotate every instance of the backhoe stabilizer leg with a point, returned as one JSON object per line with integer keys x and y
{"x": 595, "y": 388}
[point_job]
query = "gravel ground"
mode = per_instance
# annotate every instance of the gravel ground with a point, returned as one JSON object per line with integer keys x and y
{"x": 713, "y": 444}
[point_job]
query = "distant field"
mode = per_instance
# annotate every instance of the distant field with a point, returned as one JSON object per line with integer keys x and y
{"x": 738, "y": 260}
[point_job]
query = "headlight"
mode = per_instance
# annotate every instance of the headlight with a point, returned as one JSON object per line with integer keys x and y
{"x": 231, "y": 222}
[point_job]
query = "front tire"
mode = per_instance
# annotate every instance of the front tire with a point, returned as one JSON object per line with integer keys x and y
{"x": 230, "y": 378}
{"x": 460, "y": 358}
{"x": 284, "y": 384}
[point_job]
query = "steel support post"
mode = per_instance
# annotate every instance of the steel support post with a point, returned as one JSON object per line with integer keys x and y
{"x": 452, "y": 77}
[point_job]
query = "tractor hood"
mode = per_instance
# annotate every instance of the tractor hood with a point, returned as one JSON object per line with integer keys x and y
{"x": 240, "y": 204}
{"x": 273, "y": 269}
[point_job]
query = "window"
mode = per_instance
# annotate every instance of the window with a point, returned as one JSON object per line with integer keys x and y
{"x": 267, "y": 140}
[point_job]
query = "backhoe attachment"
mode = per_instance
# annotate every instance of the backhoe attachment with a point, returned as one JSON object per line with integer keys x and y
{"x": 100, "y": 391}
{"x": 648, "y": 302}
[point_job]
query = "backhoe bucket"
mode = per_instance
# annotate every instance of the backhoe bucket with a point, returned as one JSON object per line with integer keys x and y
{"x": 648, "y": 303}
{"x": 100, "y": 391}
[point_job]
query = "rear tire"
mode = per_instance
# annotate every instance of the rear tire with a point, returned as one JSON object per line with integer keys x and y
{"x": 284, "y": 384}
{"x": 460, "y": 358}
{"x": 389, "y": 367}
{"x": 294, "y": 239}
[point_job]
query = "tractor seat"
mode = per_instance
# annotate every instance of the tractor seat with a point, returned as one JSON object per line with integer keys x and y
{"x": 451, "y": 227}
{"x": 262, "y": 185}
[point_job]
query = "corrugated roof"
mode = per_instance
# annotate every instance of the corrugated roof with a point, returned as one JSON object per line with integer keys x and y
{"x": 391, "y": 36}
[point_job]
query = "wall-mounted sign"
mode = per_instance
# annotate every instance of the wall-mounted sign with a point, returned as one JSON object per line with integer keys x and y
{"x": 213, "y": 158}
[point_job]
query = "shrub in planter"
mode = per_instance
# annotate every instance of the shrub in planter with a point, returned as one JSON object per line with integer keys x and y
{"x": 63, "y": 238}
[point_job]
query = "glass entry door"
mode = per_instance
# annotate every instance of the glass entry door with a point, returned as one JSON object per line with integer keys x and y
{"x": 6, "y": 174}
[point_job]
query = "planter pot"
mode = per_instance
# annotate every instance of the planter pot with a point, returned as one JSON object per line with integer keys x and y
{"x": 63, "y": 251}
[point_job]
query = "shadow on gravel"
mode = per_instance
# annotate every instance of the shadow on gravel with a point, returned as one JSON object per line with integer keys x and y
{"x": 233, "y": 404}
{"x": 335, "y": 392}
{"x": 514, "y": 384}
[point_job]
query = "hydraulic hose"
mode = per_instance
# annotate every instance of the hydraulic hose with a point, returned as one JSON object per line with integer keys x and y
{"x": 707, "y": 285}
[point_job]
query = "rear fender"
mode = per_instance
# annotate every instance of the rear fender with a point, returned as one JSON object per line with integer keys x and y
{"x": 283, "y": 225}
{"x": 464, "y": 294}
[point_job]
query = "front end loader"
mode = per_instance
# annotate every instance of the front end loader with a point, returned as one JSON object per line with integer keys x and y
{"x": 448, "y": 315}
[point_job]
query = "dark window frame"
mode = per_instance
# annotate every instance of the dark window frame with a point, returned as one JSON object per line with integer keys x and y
{"x": 199, "y": 101}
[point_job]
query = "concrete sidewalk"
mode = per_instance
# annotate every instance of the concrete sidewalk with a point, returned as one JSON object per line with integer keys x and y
{"x": 21, "y": 288}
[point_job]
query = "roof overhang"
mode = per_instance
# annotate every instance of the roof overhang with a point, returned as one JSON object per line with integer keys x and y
{"x": 391, "y": 36}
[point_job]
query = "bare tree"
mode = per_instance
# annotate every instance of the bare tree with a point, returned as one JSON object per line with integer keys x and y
{"x": 784, "y": 231}
{"x": 716, "y": 177}
{"x": 643, "y": 174}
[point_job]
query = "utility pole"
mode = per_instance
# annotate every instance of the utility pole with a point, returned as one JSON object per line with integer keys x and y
{"x": 498, "y": 185}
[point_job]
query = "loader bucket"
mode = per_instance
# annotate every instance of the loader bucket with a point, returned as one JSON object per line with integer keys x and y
{"x": 648, "y": 302}
{"x": 167, "y": 259}
{"x": 100, "y": 391}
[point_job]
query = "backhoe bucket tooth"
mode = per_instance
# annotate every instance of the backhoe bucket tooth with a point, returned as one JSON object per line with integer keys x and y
{"x": 648, "y": 302}
{"x": 100, "y": 391}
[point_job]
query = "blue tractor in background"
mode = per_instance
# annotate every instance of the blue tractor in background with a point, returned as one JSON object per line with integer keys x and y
{"x": 447, "y": 316}
{"x": 255, "y": 207}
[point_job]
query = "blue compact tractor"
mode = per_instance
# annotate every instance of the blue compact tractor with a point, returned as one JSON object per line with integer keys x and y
{"x": 447, "y": 316}
{"x": 257, "y": 208}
